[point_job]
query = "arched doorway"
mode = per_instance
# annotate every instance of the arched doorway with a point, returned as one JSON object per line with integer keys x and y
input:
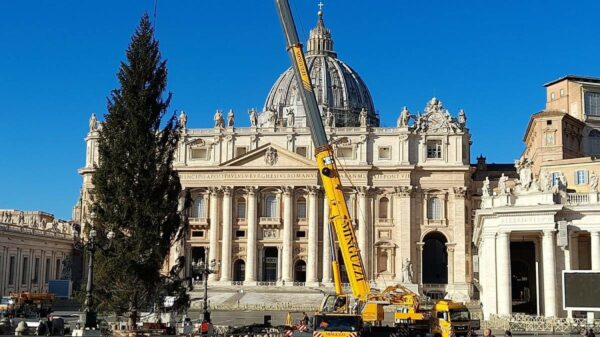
{"x": 435, "y": 259}
{"x": 198, "y": 255}
{"x": 239, "y": 270}
{"x": 270, "y": 264}
{"x": 300, "y": 271}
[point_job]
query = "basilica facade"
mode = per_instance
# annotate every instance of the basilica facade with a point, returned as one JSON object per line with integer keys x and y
{"x": 259, "y": 209}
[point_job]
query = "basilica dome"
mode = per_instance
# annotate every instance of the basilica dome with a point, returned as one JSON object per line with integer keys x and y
{"x": 338, "y": 88}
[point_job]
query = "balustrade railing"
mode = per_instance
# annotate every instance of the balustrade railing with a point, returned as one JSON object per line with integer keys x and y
{"x": 35, "y": 231}
{"x": 528, "y": 323}
{"x": 385, "y": 221}
{"x": 269, "y": 221}
{"x": 299, "y": 284}
{"x": 267, "y": 283}
{"x": 578, "y": 198}
{"x": 198, "y": 221}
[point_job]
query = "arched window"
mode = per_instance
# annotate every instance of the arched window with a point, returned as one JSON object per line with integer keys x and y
{"x": 434, "y": 208}
{"x": 301, "y": 208}
{"x": 384, "y": 204}
{"x": 241, "y": 208}
{"x": 271, "y": 206}
{"x": 199, "y": 210}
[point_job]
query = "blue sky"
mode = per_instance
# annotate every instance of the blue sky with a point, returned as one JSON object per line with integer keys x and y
{"x": 59, "y": 60}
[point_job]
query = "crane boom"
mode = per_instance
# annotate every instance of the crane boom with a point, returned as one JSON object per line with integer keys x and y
{"x": 338, "y": 210}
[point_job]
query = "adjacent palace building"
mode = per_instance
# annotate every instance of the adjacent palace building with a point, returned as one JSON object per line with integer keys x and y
{"x": 424, "y": 216}
{"x": 35, "y": 247}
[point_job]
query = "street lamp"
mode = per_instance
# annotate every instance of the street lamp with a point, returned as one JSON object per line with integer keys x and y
{"x": 90, "y": 313}
{"x": 206, "y": 269}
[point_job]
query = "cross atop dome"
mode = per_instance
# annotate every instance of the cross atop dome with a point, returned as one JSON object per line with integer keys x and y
{"x": 319, "y": 41}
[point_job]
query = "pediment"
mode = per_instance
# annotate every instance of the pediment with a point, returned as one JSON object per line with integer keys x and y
{"x": 270, "y": 155}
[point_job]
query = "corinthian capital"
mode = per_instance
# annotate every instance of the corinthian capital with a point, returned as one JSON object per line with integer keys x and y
{"x": 251, "y": 190}
{"x": 227, "y": 190}
{"x": 313, "y": 190}
{"x": 403, "y": 191}
{"x": 287, "y": 190}
{"x": 363, "y": 190}
{"x": 214, "y": 191}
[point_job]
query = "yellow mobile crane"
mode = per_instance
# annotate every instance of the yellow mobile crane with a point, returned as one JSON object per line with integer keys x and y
{"x": 341, "y": 314}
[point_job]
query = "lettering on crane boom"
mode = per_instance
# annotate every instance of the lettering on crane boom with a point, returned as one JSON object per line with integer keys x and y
{"x": 353, "y": 251}
{"x": 297, "y": 49}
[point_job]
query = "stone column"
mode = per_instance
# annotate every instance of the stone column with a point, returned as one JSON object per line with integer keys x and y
{"x": 214, "y": 229}
{"x": 313, "y": 238}
{"x": 363, "y": 227}
{"x": 250, "y": 273}
{"x": 450, "y": 249}
{"x": 549, "y": 267}
{"x": 287, "y": 251}
{"x": 568, "y": 260}
{"x": 226, "y": 241}
{"x": 503, "y": 273}
{"x": 487, "y": 270}
{"x": 327, "y": 278}
{"x": 595, "y": 248}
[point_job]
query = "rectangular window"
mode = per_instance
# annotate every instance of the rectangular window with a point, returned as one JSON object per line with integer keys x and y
{"x": 562, "y": 92}
{"x": 552, "y": 97}
{"x": 385, "y": 152}
{"x": 592, "y": 103}
{"x": 434, "y": 149}
{"x": 47, "y": 272}
{"x": 25, "y": 270}
{"x": 345, "y": 152}
{"x": 240, "y": 234}
{"x": 241, "y": 209}
{"x": 300, "y": 234}
{"x": 581, "y": 177}
{"x": 11, "y": 270}
{"x": 197, "y": 234}
{"x": 36, "y": 270}
{"x": 301, "y": 209}
{"x": 57, "y": 270}
{"x": 555, "y": 178}
{"x": 240, "y": 151}
{"x": 200, "y": 153}
{"x": 302, "y": 150}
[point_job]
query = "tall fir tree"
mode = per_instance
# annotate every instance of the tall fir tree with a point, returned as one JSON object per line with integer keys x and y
{"x": 136, "y": 190}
